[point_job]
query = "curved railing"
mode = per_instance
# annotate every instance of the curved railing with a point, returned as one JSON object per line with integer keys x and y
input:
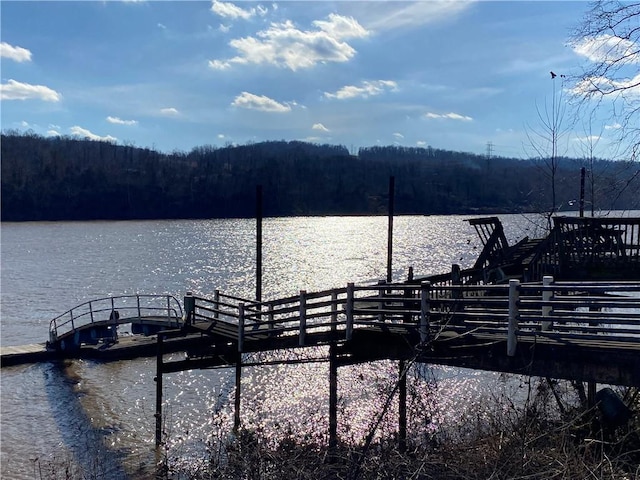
{"x": 118, "y": 310}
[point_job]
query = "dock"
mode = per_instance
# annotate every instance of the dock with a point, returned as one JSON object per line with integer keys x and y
{"x": 126, "y": 348}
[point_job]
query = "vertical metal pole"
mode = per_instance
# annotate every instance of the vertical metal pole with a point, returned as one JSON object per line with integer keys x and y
{"x": 259, "y": 243}
{"x": 333, "y": 402}
{"x": 582, "y": 175}
{"x": 158, "y": 380}
{"x": 402, "y": 407}
{"x": 240, "y": 327}
{"x": 514, "y": 297}
{"x": 547, "y": 280}
{"x": 238, "y": 393}
{"x": 381, "y": 294}
{"x": 303, "y": 318}
{"x": 392, "y": 182}
{"x": 216, "y": 303}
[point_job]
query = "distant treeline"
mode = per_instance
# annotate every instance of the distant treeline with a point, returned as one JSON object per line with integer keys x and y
{"x": 62, "y": 178}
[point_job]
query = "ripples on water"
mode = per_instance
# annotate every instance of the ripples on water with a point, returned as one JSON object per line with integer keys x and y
{"x": 101, "y": 415}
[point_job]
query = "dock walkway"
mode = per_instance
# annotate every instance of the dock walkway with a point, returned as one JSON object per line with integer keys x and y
{"x": 587, "y": 331}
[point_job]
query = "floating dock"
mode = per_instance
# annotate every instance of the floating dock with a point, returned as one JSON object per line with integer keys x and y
{"x": 127, "y": 347}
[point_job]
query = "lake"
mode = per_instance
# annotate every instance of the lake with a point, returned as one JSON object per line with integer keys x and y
{"x": 99, "y": 417}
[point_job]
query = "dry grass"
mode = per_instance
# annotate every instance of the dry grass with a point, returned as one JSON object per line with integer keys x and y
{"x": 511, "y": 443}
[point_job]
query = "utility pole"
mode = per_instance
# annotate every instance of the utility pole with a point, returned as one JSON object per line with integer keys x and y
{"x": 489, "y": 149}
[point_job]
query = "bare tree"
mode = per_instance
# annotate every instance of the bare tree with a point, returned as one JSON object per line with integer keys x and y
{"x": 545, "y": 141}
{"x": 609, "y": 39}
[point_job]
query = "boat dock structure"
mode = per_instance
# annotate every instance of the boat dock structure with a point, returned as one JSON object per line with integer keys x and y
{"x": 563, "y": 307}
{"x": 91, "y": 330}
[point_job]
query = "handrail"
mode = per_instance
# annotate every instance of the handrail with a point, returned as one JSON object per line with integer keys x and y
{"x": 104, "y": 309}
{"x": 516, "y": 309}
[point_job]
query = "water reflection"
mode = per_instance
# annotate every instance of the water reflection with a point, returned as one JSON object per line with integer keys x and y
{"x": 85, "y": 437}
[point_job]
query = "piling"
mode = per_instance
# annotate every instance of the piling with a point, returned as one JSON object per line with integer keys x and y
{"x": 158, "y": 380}
{"x": 333, "y": 403}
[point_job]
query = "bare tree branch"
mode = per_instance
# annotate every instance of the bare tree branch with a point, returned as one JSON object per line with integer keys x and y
{"x": 609, "y": 38}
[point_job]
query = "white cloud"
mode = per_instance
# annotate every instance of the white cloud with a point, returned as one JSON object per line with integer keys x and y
{"x": 399, "y": 136}
{"x": 259, "y": 102}
{"x": 84, "y": 133}
{"x": 381, "y": 16}
{"x": 170, "y": 111}
{"x": 230, "y": 10}
{"x": 52, "y": 133}
{"x": 615, "y": 126}
{"x": 319, "y": 126}
{"x": 119, "y": 121}
{"x": 224, "y": 28}
{"x": 449, "y": 116}
{"x": 608, "y": 49}
{"x": 17, "y": 54}
{"x": 284, "y": 45}
{"x": 219, "y": 65}
{"x": 367, "y": 89}
{"x": 421, "y": 143}
{"x": 340, "y": 27}
{"x": 13, "y": 90}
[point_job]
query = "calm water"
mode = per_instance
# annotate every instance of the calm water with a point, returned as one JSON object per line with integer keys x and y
{"x": 100, "y": 418}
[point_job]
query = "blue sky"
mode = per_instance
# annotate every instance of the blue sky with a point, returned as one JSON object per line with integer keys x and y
{"x": 175, "y": 75}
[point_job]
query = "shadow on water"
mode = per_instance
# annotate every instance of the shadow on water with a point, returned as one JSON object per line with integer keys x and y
{"x": 91, "y": 457}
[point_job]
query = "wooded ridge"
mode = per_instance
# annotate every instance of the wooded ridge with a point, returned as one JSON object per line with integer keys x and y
{"x": 61, "y": 178}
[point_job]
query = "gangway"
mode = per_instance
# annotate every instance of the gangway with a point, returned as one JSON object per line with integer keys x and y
{"x": 98, "y": 320}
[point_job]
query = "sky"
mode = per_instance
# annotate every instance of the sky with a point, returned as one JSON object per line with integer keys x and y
{"x": 470, "y": 76}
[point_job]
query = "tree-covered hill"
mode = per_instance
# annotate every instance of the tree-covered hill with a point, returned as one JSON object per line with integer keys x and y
{"x": 69, "y": 179}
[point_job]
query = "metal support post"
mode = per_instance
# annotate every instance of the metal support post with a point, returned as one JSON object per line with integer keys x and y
{"x": 303, "y": 318}
{"x": 238, "y": 393}
{"x": 547, "y": 280}
{"x": 240, "y": 327}
{"x": 333, "y": 402}
{"x": 158, "y": 380}
{"x": 514, "y": 314}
